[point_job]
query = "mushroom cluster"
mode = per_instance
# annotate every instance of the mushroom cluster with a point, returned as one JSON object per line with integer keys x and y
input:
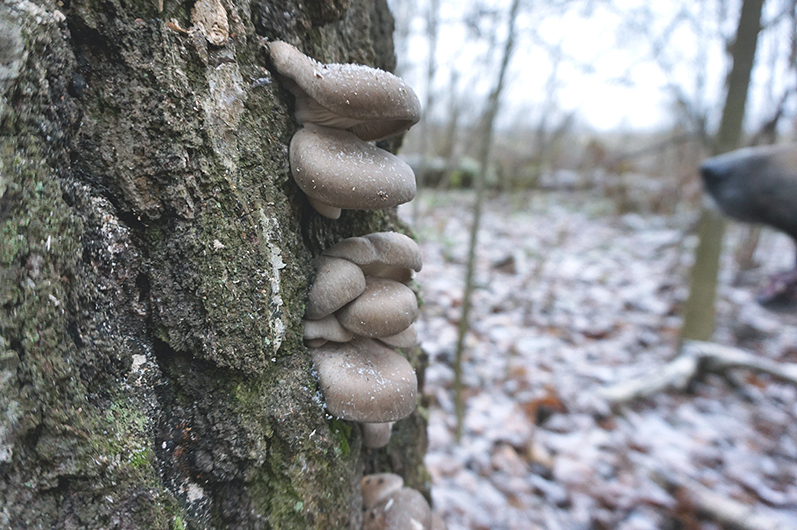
{"x": 388, "y": 505}
{"x": 360, "y": 307}
{"x": 343, "y": 107}
{"x": 357, "y": 309}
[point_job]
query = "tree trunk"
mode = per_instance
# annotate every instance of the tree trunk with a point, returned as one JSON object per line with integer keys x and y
{"x": 699, "y": 309}
{"x": 155, "y": 255}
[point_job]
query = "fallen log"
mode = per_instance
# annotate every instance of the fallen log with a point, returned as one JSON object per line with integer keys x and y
{"x": 695, "y": 359}
{"x": 723, "y": 510}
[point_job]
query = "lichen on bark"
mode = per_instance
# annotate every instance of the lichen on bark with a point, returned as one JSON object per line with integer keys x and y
{"x": 154, "y": 261}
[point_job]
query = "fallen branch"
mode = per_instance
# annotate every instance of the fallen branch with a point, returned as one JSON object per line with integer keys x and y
{"x": 723, "y": 510}
{"x": 696, "y": 358}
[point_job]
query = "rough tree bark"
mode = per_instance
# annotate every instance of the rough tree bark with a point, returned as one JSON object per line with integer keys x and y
{"x": 154, "y": 261}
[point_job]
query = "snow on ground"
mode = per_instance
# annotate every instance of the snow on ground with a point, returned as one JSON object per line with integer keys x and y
{"x": 570, "y": 298}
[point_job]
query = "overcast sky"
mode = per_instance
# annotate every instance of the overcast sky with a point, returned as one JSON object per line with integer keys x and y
{"x": 608, "y": 72}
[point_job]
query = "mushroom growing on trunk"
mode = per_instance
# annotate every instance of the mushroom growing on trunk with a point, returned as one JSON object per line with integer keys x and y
{"x": 388, "y": 255}
{"x": 384, "y": 309}
{"x": 359, "y": 279}
{"x": 390, "y": 506}
{"x": 376, "y": 435}
{"x": 337, "y": 170}
{"x": 363, "y": 380}
{"x": 337, "y": 283}
{"x": 371, "y": 103}
{"x": 342, "y": 107}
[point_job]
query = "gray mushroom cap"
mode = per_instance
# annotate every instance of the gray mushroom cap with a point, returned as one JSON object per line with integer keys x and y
{"x": 376, "y": 435}
{"x": 385, "y": 308}
{"x": 364, "y": 381}
{"x": 371, "y": 103}
{"x": 318, "y": 332}
{"x": 384, "y": 254}
{"x": 404, "y": 339}
{"x": 406, "y": 509}
{"x": 338, "y": 170}
{"x": 337, "y": 283}
{"x": 379, "y": 487}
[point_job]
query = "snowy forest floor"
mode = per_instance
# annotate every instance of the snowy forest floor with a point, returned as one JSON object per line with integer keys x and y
{"x": 572, "y": 298}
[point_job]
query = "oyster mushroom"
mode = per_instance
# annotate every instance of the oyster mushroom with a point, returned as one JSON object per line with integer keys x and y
{"x": 337, "y": 283}
{"x": 384, "y": 254}
{"x": 405, "y": 339}
{"x": 337, "y": 170}
{"x": 318, "y": 332}
{"x": 379, "y": 487}
{"x": 364, "y": 381}
{"x": 376, "y": 435}
{"x": 371, "y": 103}
{"x": 330, "y": 212}
{"x": 385, "y": 308}
{"x": 406, "y": 509}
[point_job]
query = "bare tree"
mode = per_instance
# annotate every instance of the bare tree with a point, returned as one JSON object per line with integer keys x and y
{"x": 491, "y": 111}
{"x": 700, "y": 308}
{"x": 450, "y": 150}
{"x": 432, "y": 22}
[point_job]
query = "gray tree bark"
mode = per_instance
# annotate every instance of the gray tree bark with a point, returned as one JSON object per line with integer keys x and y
{"x": 154, "y": 260}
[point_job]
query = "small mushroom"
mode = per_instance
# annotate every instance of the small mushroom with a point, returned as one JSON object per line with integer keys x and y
{"x": 385, "y": 308}
{"x": 318, "y": 332}
{"x": 337, "y": 283}
{"x": 371, "y": 103}
{"x": 406, "y": 509}
{"x": 376, "y": 435}
{"x": 329, "y": 212}
{"x": 337, "y": 170}
{"x": 405, "y": 339}
{"x": 379, "y": 487}
{"x": 384, "y": 254}
{"x": 364, "y": 381}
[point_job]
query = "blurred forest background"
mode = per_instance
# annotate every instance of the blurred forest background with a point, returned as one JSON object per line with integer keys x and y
{"x": 561, "y": 217}
{"x": 608, "y": 94}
